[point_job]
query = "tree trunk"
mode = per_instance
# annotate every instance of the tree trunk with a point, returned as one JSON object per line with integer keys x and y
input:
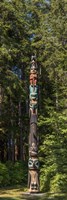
{"x": 12, "y": 134}
{"x": 21, "y": 135}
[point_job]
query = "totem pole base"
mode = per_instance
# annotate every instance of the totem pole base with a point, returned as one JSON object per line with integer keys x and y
{"x": 33, "y": 181}
{"x": 33, "y": 191}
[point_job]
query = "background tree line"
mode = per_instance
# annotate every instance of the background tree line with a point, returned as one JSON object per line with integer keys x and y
{"x": 26, "y": 28}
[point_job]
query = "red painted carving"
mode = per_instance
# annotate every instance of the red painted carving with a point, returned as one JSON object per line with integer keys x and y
{"x": 33, "y": 79}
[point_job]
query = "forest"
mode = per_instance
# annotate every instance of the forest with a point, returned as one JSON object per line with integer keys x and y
{"x": 32, "y": 27}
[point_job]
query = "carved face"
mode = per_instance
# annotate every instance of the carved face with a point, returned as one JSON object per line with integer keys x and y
{"x": 33, "y": 71}
{"x": 33, "y": 163}
{"x": 33, "y": 79}
{"x": 33, "y": 104}
{"x": 33, "y": 181}
{"x": 33, "y": 92}
{"x": 33, "y": 150}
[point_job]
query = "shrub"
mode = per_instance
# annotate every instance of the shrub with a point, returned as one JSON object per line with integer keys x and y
{"x": 13, "y": 173}
{"x": 17, "y": 172}
{"x": 4, "y": 175}
{"x": 58, "y": 183}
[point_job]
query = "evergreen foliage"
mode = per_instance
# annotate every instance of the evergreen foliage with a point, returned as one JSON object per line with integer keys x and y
{"x": 34, "y": 27}
{"x": 13, "y": 174}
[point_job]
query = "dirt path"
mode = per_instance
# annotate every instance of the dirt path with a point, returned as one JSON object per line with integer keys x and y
{"x": 21, "y": 194}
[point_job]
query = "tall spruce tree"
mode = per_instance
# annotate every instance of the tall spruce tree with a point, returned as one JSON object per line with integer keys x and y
{"x": 53, "y": 120}
{"x": 13, "y": 57}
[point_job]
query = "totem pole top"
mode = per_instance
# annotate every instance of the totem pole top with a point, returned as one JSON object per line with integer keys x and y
{"x": 33, "y": 58}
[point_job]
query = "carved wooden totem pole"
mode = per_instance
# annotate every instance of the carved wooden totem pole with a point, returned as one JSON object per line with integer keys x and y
{"x": 33, "y": 163}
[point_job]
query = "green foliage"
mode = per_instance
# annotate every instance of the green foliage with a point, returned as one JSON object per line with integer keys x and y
{"x": 13, "y": 37}
{"x": 13, "y": 174}
{"x": 17, "y": 173}
{"x": 4, "y": 175}
{"x": 59, "y": 183}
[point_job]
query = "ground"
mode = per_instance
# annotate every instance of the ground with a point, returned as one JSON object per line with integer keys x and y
{"x": 11, "y": 194}
{"x": 22, "y": 194}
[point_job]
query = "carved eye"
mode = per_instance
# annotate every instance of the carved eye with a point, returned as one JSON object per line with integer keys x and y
{"x": 30, "y": 163}
{"x": 37, "y": 164}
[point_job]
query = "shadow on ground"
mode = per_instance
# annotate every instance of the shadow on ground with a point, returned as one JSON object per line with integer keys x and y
{"x": 37, "y": 197}
{"x": 44, "y": 197}
{"x": 7, "y": 198}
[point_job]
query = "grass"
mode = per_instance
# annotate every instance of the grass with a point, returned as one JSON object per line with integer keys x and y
{"x": 11, "y": 193}
{"x": 21, "y": 194}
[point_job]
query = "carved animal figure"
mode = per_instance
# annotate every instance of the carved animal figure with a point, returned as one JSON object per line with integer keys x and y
{"x": 33, "y": 92}
{"x": 33, "y": 79}
{"x": 33, "y": 181}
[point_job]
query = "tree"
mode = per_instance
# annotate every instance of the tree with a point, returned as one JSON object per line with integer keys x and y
{"x": 13, "y": 54}
{"x": 53, "y": 120}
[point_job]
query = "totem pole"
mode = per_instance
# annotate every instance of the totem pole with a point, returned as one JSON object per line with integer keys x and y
{"x": 33, "y": 162}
